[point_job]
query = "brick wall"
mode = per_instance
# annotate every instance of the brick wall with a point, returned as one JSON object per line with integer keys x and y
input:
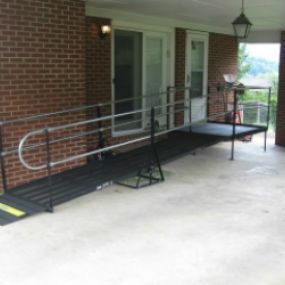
{"x": 280, "y": 119}
{"x": 42, "y": 69}
{"x": 98, "y": 73}
{"x": 180, "y": 65}
{"x": 223, "y": 58}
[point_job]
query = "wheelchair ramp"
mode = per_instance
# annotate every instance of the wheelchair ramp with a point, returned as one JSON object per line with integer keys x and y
{"x": 13, "y": 209}
{"x": 102, "y": 161}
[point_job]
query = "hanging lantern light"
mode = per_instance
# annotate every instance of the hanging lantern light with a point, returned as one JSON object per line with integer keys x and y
{"x": 241, "y": 25}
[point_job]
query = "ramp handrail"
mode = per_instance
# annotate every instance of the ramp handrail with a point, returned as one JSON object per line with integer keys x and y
{"x": 82, "y": 134}
{"x": 48, "y": 130}
{"x": 49, "y": 163}
{"x": 109, "y": 117}
{"x": 165, "y": 96}
{"x": 6, "y": 151}
{"x": 21, "y": 147}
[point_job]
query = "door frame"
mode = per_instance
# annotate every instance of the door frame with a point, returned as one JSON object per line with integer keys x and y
{"x": 126, "y": 132}
{"x": 169, "y": 62}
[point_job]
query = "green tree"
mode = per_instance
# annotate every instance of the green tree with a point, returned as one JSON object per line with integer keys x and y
{"x": 262, "y": 69}
{"x": 243, "y": 65}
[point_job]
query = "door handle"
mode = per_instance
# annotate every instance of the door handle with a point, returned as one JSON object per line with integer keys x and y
{"x": 188, "y": 78}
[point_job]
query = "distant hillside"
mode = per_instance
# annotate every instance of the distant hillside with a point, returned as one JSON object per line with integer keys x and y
{"x": 261, "y": 66}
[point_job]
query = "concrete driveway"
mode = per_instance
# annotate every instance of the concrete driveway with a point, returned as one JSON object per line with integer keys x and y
{"x": 213, "y": 222}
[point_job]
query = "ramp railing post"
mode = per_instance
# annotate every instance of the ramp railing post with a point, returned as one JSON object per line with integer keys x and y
{"x": 190, "y": 110}
{"x": 152, "y": 127}
{"x": 100, "y": 133}
{"x": 267, "y": 118}
{"x": 48, "y": 168}
{"x": 152, "y": 139}
{"x": 2, "y": 160}
{"x": 234, "y": 125}
{"x": 168, "y": 108}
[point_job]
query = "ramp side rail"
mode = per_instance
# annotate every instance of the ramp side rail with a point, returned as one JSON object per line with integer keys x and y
{"x": 6, "y": 151}
{"x": 154, "y": 112}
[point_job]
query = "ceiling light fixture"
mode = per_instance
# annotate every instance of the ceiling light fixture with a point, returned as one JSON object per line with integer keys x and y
{"x": 241, "y": 25}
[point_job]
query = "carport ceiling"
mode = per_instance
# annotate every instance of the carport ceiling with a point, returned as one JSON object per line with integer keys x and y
{"x": 264, "y": 14}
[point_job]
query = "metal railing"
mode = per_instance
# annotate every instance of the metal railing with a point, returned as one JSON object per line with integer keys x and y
{"x": 169, "y": 107}
{"x": 45, "y": 131}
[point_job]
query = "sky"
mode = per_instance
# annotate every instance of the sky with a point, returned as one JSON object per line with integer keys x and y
{"x": 266, "y": 51}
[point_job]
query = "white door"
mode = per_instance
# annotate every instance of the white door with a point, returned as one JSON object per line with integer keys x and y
{"x": 196, "y": 76}
{"x": 155, "y": 62}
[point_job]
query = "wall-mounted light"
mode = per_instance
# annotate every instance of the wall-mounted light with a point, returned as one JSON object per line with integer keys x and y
{"x": 104, "y": 31}
{"x": 241, "y": 25}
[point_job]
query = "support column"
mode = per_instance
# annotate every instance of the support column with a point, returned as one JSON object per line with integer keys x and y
{"x": 280, "y": 118}
{"x": 180, "y": 57}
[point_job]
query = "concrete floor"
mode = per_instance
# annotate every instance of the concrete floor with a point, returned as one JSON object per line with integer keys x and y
{"x": 213, "y": 222}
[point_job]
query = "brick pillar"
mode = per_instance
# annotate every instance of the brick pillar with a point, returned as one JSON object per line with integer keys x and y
{"x": 280, "y": 119}
{"x": 180, "y": 61}
{"x": 223, "y": 59}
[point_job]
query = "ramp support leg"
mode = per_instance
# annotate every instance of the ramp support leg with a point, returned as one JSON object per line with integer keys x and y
{"x": 147, "y": 175}
{"x": 234, "y": 126}
{"x": 48, "y": 168}
{"x": 152, "y": 137}
{"x": 267, "y": 118}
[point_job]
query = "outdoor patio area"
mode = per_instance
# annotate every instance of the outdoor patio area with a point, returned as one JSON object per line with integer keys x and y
{"x": 213, "y": 222}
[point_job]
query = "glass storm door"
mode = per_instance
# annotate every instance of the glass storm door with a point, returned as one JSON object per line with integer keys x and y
{"x": 196, "y": 76}
{"x": 140, "y": 60}
{"x": 155, "y": 56}
{"x": 127, "y": 79}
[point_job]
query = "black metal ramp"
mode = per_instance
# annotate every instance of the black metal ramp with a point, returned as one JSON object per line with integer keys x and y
{"x": 225, "y": 130}
{"x": 93, "y": 176}
{"x": 13, "y": 209}
{"x": 34, "y": 197}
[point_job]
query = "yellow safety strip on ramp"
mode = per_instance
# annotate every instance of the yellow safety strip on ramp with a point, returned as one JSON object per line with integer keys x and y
{"x": 12, "y": 211}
